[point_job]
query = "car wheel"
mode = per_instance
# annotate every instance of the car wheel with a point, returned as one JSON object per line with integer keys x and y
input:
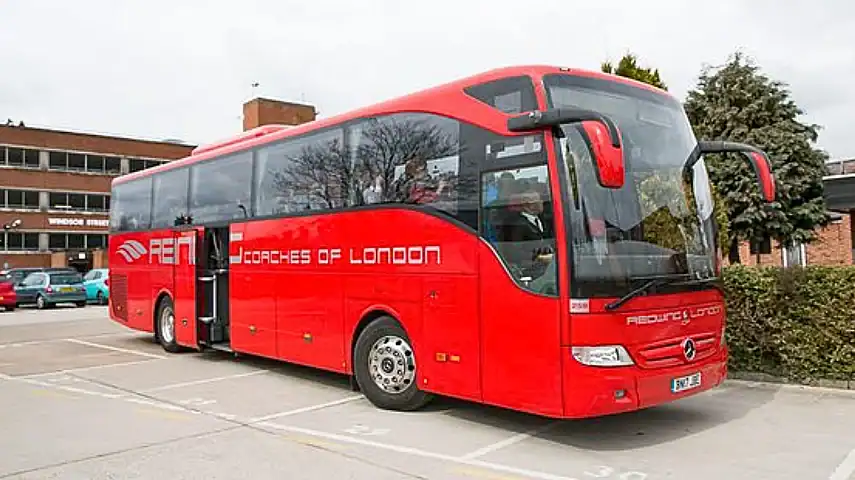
{"x": 385, "y": 367}
{"x": 41, "y": 303}
{"x": 100, "y": 299}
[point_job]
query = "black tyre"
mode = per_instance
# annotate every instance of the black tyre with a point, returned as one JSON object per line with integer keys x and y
{"x": 164, "y": 326}
{"x": 42, "y": 303}
{"x": 385, "y": 367}
{"x": 100, "y": 299}
{"x": 80, "y": 304}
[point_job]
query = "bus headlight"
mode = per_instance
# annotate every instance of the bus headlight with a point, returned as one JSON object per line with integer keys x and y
{"x": 602, "y": 356}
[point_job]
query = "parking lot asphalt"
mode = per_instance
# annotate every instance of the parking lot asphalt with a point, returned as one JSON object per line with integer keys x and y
{"x": 83, "y": 398}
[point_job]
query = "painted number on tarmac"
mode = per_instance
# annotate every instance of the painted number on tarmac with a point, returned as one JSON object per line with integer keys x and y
{"x": 366, "y": 431}
{"x": 609, "y": 472}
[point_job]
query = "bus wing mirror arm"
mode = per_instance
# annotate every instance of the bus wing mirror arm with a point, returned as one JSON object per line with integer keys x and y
{"x": 758, "y": 159}
{"x": 603, "y": 135}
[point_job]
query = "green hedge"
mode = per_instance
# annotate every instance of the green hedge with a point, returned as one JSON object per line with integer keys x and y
{"x": 793, "y": 323}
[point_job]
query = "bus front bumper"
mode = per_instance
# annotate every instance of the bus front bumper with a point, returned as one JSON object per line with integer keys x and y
{"x": 596, "y": 391}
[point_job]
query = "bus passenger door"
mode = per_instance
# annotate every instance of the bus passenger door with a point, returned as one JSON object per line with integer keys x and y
{"x": 187, "y": 249}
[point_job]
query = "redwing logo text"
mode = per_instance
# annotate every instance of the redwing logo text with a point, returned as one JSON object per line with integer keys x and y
{"x": 683, "y": 316}
{"x": 412, "y": 255}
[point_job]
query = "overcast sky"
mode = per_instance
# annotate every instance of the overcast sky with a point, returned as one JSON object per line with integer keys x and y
{"x": 182, "y": 69}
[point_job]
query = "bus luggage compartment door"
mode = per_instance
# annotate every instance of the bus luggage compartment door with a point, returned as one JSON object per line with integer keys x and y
{"x": 187, "y": 249}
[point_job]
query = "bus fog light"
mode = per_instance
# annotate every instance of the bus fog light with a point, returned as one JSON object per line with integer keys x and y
{"x": 620, "y": 394}
{"x": 602, "y": 356}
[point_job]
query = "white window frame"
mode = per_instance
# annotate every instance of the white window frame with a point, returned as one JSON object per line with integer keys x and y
{"x": 802, "y": 255}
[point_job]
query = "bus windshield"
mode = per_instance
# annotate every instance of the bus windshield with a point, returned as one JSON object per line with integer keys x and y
{"x": 660, "y": 224}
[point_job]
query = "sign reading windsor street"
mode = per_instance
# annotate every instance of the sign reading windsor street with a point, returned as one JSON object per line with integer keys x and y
{"x": 78, "y": 222}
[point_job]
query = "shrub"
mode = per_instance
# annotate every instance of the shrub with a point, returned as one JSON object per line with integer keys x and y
{"x": 796, "y": 323}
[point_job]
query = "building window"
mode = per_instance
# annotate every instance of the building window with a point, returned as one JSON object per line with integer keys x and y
{"x": 19, "y": 157}
{"x": 19, "y": 199}
{"x": 84, "y": 162}
{"x": 75, "y": 241}
{"x": 79, "y": 202}
{"x": 794, "y": 256}
{"x": 137, "y": 164}
{"x": 19, "y": 241}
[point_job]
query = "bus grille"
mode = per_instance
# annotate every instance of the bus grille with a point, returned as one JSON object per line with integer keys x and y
{"x": 669, "y": 353}
{"x": 119, "y": 296}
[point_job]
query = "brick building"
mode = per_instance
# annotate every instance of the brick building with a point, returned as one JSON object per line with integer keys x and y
{"x": 55, "y": 185}
{"x": 835, "y": 244}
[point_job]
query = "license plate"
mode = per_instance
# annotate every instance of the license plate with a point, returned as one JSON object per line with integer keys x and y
{"x": 681, "y": 384}
{"x": 66, "y": 289}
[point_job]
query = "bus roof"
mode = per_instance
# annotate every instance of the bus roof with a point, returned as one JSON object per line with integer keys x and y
{"x": 426, "y": 100}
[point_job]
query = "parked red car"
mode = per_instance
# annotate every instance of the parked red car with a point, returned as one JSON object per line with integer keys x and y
{"x": 8, "y": 297}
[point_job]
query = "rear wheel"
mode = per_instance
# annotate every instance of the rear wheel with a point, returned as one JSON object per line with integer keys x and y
{"x": 100, "y": 299}
{"x": 165, "y": 326}
{"x": 41, "y": 303}
{"x": 385, "y": 367}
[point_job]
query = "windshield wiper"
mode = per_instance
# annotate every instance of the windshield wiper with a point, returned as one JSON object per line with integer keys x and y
{"x": 658, "y": 282}
{"x": 652, "y": 283}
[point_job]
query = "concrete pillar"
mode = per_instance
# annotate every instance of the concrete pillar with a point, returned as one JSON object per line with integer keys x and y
{"x": 44, "y": 159}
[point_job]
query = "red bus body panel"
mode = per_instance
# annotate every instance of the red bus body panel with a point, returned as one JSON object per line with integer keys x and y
{"x": 651, "y": 328}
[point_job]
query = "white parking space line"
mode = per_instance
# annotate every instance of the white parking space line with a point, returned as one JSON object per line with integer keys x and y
{"x": 85, "y": 369}
{"x": 32, "y": 381}
{"x": 56, "y": 340}
{"x": 845, "y": 470}
{"x": 417, "y": 452}
{"x": 312, "y": 408}
{"x": 115, "y": 349}
{"x": 204, "y": 381}
{"x": 507, "y": 442}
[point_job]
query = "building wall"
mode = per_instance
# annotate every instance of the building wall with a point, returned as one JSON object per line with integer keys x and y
{"x": 72, "y": 141}
{"x": 65, "y": 180}
{"x": 833, "y": 246}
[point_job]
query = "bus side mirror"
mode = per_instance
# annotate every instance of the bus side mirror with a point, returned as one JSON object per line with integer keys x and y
{"x": 607, "y": 153}
{"x": 758, "y": 159}
{"x": 606, "y": 144}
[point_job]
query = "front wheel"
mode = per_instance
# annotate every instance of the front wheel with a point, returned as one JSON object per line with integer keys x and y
{"x": 385, "y": 367}
{"x": 165, "y": 326}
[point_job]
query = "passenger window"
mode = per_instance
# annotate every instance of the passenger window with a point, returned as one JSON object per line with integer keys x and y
{"x": 131, "y": 205}
{"x": 518, "y": 221}
{"x": 306, "y": 173}
{"x": 170, "y": 197}
{"x": 220, "y": 190}
{"x": 415, "y": 159}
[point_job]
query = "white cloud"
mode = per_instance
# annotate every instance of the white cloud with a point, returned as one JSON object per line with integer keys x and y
{"x": 168, "y": 69}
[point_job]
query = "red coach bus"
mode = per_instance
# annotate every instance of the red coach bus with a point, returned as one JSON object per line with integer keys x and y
{"x": 536, "y": 238}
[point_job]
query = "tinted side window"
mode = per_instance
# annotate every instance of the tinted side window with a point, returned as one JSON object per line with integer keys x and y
{"x": 220, "y": 189}
{"x": 306, "y": 173}
{"x": 131, "y": 205}
{"x": 170, "y": 197}
{"x": 417, "y": 159}
{"x": 510, "y": 95}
